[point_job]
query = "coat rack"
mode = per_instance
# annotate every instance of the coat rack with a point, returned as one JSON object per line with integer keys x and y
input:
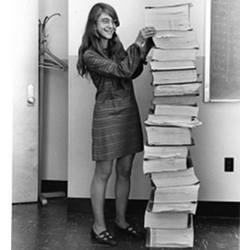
{"x": 47, "y": 60}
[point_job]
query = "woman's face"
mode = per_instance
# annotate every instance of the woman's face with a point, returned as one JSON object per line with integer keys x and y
{"x": 105, "y": 26}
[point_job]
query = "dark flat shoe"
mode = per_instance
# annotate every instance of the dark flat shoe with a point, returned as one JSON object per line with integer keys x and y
{"x": 104, "y": 237}
{"x": 129, "y": 231}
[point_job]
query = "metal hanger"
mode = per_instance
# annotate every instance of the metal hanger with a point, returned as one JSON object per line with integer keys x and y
{"x": 46, "y": 58}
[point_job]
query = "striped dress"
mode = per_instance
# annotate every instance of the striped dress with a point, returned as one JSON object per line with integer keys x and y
{"x": 116, "y": 128}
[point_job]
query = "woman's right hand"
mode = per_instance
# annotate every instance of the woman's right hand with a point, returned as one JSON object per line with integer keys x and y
{"x": 144, "y": 34}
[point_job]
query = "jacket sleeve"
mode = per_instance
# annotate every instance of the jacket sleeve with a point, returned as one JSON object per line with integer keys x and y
{"x": 125, "y": 69}
{"x": 138, "y": 70}
{"x": 149, "y": 44}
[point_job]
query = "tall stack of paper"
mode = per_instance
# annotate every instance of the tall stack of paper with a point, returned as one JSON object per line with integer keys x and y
{"x": 174, "y": 112}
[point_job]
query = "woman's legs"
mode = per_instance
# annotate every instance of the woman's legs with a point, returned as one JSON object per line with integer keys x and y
{"x": 102, "y": 173}
{"x": 122, "y": 188}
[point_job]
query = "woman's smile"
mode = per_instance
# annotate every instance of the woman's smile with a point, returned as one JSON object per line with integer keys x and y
{"x": 109, "y": 32}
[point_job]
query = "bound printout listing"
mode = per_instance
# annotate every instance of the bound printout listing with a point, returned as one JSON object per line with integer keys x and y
{"x": 187, "y": 207}
{"x": 175, "y": 76}
{"x": 165, "y": 3}
{"x": 172, "y": 65}
{"x": 177, "y": 90}
{"x": 158, "y": 237}
{"x": 152, "y": 152}
{"x": 176, "y": 110}
{"x": 164, "y": 164}
{"x": 174, "y": 178}
{"x": 172, "y": 55}
{"x": 166, "y": 220}
{"x": 162, "y": 97}
{"x": 175, "y": 40}
{"x": 168, "y": 135}
{"x": 172, "y": 18}
{"x": 177, "y": 194}
{"x": 172, "y": 120}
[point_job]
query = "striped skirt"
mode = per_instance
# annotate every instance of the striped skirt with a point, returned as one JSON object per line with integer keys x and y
{"x": 116, "y": 129}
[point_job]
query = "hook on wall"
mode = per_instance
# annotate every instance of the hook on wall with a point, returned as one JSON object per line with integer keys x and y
{"x": 42, "y": 25}
{"x": 46, "y": 58}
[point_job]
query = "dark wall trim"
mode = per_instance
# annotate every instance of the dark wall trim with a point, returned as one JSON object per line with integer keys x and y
{"x": 205, "y": 208}
{"x": 53, "y": 186}
{"x": 218, "y": 209}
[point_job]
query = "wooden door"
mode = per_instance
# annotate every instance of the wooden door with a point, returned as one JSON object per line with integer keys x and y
{"x": 26, "y": 102}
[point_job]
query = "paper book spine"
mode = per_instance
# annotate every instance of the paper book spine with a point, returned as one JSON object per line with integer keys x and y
{"x": 166, "y": 220}
{"x": 161, "y": 55}
{"x": 163, "y": 135}
{"x": 183, "y": 177}
{"x": 176, "y": 194}
{"x": 175, "y": 99}
{"x": 160, "y": 152}
{"x": 160, "y": 165}
{"x": 176, "y": 89}
{"x": 164, "y": 109}
{"x": 172, "y": 65}
{"x": 174, "y": 77}
{"x": 156, "y": 120}
{"x": 170, "y": 18}
{"x": 180, "y": 238}
{"x": 164, "y": 3}
{"x": 189, "y": 207}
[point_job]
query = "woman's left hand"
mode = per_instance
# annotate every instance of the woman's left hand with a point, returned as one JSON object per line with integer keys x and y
{"x": 144, "y": 34}
{"x": 148, "y": 32}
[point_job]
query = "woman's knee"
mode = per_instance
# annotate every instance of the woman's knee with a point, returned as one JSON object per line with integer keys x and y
{"x": 103, "y": 170}
{"x": 124, "y": 167}
{"x": 124, "y": 173}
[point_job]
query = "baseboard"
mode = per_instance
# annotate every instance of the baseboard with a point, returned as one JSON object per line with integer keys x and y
{"x": 205, "y": 208}
{"x": 218, "y": 209}
{"x": 53, "y": 186}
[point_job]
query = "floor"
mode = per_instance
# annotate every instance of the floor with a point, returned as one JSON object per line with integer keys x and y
{"x": 54, "y": 227}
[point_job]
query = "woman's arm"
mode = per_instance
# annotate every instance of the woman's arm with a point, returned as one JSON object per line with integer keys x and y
{"x": 138, "y": 70}
{"x": 146, "y": 48}
{"x": 128, "y": 67}
{"x": 125, "y": 69}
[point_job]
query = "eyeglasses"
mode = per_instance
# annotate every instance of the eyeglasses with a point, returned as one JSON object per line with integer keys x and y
{"x": 108, "y": 21}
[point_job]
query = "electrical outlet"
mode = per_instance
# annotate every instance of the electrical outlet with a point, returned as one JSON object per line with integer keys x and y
{"x": 229, "y": 164}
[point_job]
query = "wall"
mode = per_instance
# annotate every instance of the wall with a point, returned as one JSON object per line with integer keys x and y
{"x": 54, "y": 155}
{"x": 216, "y": 139}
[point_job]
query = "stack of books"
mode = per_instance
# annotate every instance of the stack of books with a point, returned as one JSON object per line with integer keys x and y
{"x": 172, "y": 115}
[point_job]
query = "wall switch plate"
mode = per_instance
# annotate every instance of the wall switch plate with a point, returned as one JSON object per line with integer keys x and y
{"x": 229, "y": 164}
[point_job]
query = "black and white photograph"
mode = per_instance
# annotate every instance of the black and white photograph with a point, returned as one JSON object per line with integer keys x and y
{"x": 125, "y": 125}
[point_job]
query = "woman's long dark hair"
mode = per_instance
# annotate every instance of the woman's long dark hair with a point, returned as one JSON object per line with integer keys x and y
{"x": 91, "y": 38}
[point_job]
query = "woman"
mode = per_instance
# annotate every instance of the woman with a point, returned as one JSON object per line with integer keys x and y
{"x": 116, "y": 131}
